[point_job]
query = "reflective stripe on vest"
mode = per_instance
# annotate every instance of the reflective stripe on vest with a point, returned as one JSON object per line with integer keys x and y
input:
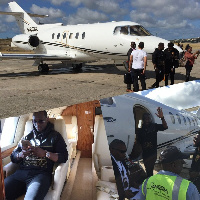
{"x": 165, "y": 187}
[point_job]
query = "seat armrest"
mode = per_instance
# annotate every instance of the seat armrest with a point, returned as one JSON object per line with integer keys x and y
{"x": 10, "y": 168}
{"x": 60, "y": 173}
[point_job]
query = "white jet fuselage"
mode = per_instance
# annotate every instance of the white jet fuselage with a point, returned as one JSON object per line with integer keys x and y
{"x": 87, "y": 42}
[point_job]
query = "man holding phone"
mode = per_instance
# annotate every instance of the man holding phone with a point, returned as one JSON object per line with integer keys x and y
{"x": 36, "y": 154}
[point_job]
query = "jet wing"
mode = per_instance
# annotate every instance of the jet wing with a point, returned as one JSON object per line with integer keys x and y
{"x": 35, "y": 56}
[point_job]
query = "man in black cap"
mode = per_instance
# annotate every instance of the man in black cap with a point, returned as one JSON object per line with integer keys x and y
{"x": 167, "y": 184}
{"x": 171, "y": 62}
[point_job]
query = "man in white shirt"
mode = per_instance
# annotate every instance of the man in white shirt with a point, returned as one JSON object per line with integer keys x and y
{"x": 137, "y": 66}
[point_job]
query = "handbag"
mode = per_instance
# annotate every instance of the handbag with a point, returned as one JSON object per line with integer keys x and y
{"x": 127, "y": 78}
{"x": 183, "y": 61}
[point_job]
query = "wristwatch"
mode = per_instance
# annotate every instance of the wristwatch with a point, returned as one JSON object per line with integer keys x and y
{"x": 47, "y": 154}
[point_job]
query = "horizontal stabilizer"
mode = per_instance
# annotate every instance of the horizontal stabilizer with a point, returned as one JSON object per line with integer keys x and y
{"x": 20, "y": 13}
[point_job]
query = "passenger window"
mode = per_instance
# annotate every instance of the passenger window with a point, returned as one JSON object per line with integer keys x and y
{"x": 184, "y": 120}
{"x": 58, "y": 36}
{"x": 53, "y": 35}
{"x": 196, "y": 121}
{"x": 172, "y": 118}
{"x": 124, "y": 30}
{"x": 70, "y": 35}
{"x": 179, "y": 119}
{"x": 64, "y": 35}
{"x": 189, "y": 121}
{"x": 8, "y": 127}
{"x": 193, "y": 122}
{"x": 83, "y": 35}
{"x": 77, "y": 34}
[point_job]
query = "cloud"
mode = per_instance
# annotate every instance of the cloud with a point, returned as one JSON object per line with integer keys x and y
{"x": 179, "y": 96}
{"x": 166, "y": 14}
{"x": 85, "y": 15}
{"x": 74, "y": 3}
{"x": 53, "y": 13}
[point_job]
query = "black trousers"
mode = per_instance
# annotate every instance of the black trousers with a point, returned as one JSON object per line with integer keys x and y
{"x": 159, "y": 76}
{"x": 149, "y": 162}
{"x": 171, "y": 72}
{"x": 135, "y": 73}
{"x": 188, "y": 70}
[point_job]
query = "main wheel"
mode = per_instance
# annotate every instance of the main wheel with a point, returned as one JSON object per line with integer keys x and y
{"x": 43, "y": 68}
{"x": 77, "y": 66}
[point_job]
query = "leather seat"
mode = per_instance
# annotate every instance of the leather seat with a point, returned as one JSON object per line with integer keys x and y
{"x": 61, "y": 170}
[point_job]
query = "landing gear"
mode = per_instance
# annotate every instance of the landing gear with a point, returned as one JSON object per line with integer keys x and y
{"x": 77, "y": 66}
{"x": 43, "y": 68}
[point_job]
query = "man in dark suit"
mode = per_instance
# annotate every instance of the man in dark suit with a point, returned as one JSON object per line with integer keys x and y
{"x": 121, "y": 171}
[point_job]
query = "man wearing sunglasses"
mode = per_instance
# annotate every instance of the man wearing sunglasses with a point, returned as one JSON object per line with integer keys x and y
{"x": 44, "y": 147}
{"x": 122, "y": 174}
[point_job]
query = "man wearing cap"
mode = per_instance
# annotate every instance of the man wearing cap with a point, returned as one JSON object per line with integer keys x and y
{"x": 158, "y": 63}
{"x": 167, "y": 184}
{"x": 133, "y": 45}
{"x": 171, "y": 62}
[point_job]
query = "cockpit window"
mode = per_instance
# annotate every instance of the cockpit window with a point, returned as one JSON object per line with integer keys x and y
{"x": 124, "y": 30}
{"x": 132, "y": 30}
{"x": 139, "y": 30}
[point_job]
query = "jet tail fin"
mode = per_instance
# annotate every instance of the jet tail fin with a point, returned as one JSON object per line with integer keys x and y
{"x": 25, "y": 22}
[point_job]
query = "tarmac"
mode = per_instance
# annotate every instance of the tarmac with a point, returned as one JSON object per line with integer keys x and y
{"x": 24, "y": 89}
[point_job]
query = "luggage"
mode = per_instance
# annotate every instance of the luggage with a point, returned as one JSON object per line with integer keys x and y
{"x": 127, "y": 78}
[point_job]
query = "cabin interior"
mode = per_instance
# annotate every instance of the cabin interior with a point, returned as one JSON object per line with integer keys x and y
{"x": 88, "y": 173}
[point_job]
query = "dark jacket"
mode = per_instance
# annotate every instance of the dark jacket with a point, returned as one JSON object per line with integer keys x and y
{"x": 171, "y": 58}
{"x": 49, "y": 140}
{"x": 158, "y": 58}
{"x": 129, "y": 53}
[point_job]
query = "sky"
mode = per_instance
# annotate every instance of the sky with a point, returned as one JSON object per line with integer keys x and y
{"x": 167, "y": 19}
{"x": 179, "y": 96}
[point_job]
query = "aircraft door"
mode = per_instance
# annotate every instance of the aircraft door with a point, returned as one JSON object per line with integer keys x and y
{"x": 138, "y": 111}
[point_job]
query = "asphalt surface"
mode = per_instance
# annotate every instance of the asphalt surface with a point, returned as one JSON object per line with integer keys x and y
{"x": 24, "y": 90}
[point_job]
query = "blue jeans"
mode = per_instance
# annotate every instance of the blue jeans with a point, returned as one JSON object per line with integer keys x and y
{"x": 34, "y": 183}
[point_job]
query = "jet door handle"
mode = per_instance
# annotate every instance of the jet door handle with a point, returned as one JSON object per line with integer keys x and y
{"x": 109, "y": 119}
{"x": 110, "y": 136}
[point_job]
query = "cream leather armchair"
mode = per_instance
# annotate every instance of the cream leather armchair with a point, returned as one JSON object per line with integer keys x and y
{"x": 61, "y": 170}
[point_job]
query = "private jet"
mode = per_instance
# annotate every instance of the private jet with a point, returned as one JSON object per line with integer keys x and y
{"x": 87, "y": 129}
{"x": 77, "y": 44}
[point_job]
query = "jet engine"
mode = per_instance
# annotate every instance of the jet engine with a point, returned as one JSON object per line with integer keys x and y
{"x": 27, "y": 42}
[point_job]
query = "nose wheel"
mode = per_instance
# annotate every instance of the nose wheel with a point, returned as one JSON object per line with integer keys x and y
{"x": 43, "y": 68}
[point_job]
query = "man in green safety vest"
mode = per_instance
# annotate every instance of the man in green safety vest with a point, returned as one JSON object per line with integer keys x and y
{"x": 167, "y": 184}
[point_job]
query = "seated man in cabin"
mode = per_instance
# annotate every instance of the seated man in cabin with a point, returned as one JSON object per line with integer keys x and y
{"x": 195, "y": 167}
{"x": 127, "y": 180}
{"x": 147, "y": 138}
{"x": 36, "y": 154}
